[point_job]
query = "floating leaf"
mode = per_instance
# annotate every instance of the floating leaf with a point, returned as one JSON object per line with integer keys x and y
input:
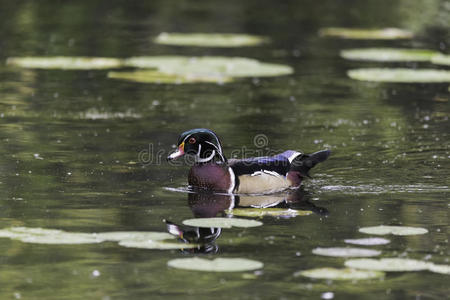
{"x": 118, "y": 236}
{"x": 441, "y": 59}
{"x": 395, "y": 230}
{"x": 388, "y": 54}
{"x": 388, "y": 264}
{"x": 346, "y": 252}
{"x": 366, "y": 34}
{"x": 400, "y": 75}
{"x": 209, "y": 39}
{"x": 48, "y": 236}
{"x": 135, "y": 239}
{"x": 94, "y": 114}
{"x": 273, "y": 212}
{"x": 150, "y": 76}
{"x": 65, "y": 62}
{"x": 183, "y": 69}
{"x": 442, "y": 269}
{"x": 221, "y": 222}
{"x": 368, "y": 241}
{"x": 151, "y": 244}
{"x": 340, "y": 274}
{"x": 215, "y": 265}
{"x": 63, "y": 238}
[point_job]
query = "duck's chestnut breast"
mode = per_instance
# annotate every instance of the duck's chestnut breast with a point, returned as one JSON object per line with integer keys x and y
{"x": 211, "y": 176}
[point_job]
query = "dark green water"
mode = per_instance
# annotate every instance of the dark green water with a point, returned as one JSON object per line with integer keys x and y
{"x": 70, "y": 144}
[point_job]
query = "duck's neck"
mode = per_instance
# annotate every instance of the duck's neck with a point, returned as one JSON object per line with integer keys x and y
{"x": 206, "y": 159}
{"x": 215, "y": 155}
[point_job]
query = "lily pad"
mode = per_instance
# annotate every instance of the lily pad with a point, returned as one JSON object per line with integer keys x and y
{"x": 94, "y": 114}
{"x": 388, "y": 264}
{"x": 150, "y": 76}
{"x": 183, "y": 69}
{"x": 65, "y": 62}
{"x": 48, "y": 236}
{"x": 400, "y": 75}
{"x": 340, "y": 274}
{"x": 273, "y": 212}
{"x": 221, "y": 222}
{"x": 152, "y": 244}
{"x": 346, "y": 252}
{"x": 368, "y": 241}
{"x": 395, "y": 230}
{"x": 366, "y": 34}
{"x": 215, "y": 265}
{"x": 135, "y": 239}
{"x": 442, "y": 269}
{"x": 226, "y": 40}
{"x": 388, "y": 54}
{"x": 441, "y": 59}
{"x": 117, "y": 236}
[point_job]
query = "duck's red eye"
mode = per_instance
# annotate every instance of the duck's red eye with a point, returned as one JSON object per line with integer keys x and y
{"x": 192, "y": 140}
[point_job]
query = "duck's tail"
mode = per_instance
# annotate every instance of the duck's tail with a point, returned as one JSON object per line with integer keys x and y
{"x": 304, "y": 163}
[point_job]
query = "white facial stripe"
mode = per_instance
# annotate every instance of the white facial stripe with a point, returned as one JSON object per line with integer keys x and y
{"x": 199, "y": 150}
{"x": 186, "y": 138}
{"x": 207, "y": 158}
{"x": 219, "y": 150}
{"x": 211, "y": 144}
{"x": 218, "y": 143}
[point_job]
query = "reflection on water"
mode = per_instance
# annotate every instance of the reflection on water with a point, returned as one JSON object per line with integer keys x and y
{"x": 205, "y": 237}
{"x": 207, "y": 204}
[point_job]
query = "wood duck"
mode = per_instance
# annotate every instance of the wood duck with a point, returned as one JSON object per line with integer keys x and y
{"x": 257, "y": 175}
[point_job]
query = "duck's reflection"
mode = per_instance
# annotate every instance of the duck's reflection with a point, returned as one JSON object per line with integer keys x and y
{"x": 208, "y": 205}
{"x": 204, "y": 237}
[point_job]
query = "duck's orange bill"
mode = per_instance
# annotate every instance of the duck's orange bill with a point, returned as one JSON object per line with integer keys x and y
{"x": 178, "y": 153}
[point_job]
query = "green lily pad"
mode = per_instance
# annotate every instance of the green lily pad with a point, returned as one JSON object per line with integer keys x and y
{"x": 215, "y": 265}
{"x": 388, "y": 54}
{"x": 442, "y": 269}
{"x": 183, "y": 69}
{"x": 94, "y": 114}
{"x": 221, "y": 222}
{"x": 152, "y": 244}
{"x": 65, "y": 62}
{"x": 388, "y": 264}
{"x": 150, "y": 76}
{"x": 366, "y": 34}
{"x": 135, "y": 239}
{"x": 273, "y": 212}
{"x": 395, "y": 230}
{"x": 368, "y": 241}
{"x": 400, "y": 75}
{"x": 48, "y": 236}
{"x": 441, "y": 59}
{"x": 18, "y": 231}
{"x": 340, "y": 274}
{"x": 218, "y": 66}
{"x": 209, "y": 39}
{"x": 346, "y": 252}
{"x": 117, "y": 236}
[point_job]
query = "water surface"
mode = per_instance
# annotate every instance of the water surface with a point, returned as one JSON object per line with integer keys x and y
{"x": 82, "y": 152}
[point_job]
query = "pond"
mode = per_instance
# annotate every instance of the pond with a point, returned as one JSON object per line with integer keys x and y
{"x": 85, "y": 153}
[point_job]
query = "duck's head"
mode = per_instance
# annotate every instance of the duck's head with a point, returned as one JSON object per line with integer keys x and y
{"x": 201, "y": 143}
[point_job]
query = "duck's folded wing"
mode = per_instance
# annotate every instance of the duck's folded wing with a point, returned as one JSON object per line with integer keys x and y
{"x": 279, "y": 164}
